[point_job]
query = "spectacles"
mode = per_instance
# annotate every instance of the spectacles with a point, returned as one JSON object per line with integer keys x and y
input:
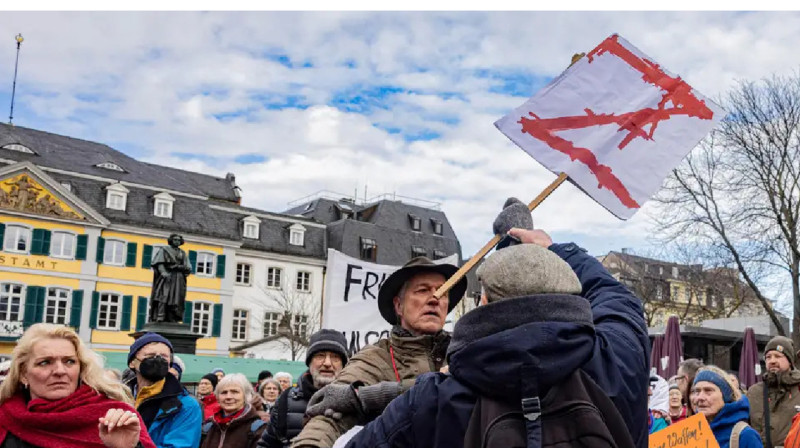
{"x": 680, "y": 378}
{"x": 154, "y": 355}
{"x": 320, "y": 356}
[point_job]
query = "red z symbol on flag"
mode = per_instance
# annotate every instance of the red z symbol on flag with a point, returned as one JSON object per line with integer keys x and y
{"x": 676, "y": 100}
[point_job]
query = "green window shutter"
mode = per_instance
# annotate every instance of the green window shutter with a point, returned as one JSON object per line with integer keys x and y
{"x": 82, "y": 244}
{"x": 147, "y": 256}
{"x": 131, "y": 255}
{"x": 220, "y": 266}
{"x": 101, "y": 249}
{"x": 187, "y": 312}
{"x": 77, "y": 307}
{"x": 127, "y": 304}
{"x": 193, "y": 260}
{"x": 95, "y": 306}
{"x": 40, "y": 242}
{"x": 29, "y": 315}
{"x": 2, "y": 234}
{"x": 38, "y": 315}
{"x": 141, "y": 313}
{"x": 216, "y": 325}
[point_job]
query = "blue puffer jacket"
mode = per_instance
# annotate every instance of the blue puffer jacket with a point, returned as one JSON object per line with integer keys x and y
{"x": 173, "y": 417}
{"x": 538, "y": 334}
{"x": 726, "y": 419}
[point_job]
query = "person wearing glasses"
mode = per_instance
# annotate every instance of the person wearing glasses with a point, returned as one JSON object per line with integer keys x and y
{"x": 325, "y": 357}
{"x": 172, "y": 416}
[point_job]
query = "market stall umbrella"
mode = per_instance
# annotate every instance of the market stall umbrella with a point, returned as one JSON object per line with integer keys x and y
{"x": 672, "y": 352}
{"x": 749, "y": 366}
{"x": 655, "y": 356}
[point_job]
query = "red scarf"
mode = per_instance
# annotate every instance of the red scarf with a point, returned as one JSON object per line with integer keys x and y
{"x": 222, "y": 420}
{"x": 67, "y": 423}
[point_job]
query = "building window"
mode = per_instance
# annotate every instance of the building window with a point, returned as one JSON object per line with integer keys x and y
{"x": 116, "y": 196}
{"x": 251, "y": 227}
{"x": 415, "y": 221}
{"x": 271, "y": 322}
{"x": 300, "y": 325}
{"x": 243, "y": 274}
{"x": 110, "y": 166}
{"x": 114, "y": 253}
{"x": 205, "y": 263}
{"x": 274, "y": 277}
{"x": 661, "y": 270}
{"x": 676, "y": 293}
{"x": 369, "y": 249}
{"x": 304, "y": 281}
{"x": 163, "y": 205}
{"x": 201, "y": 317}
{"x": 297, "y": 235}
{"x": 437, "y": 226}
{"x": 418, "y": 251}
{"x": 56, "y": 310}
{"x": 67, "y": 186}
{"x": 19, "y": 148}
{"x": 62, "y": 245}
{"x": 659, "y": 293}
{"x": 674, "y": 272}
{"x": 239, "y": 325}
{"x": 17, "y": 239}
{"x": 10, "y": 302}
{"x": 108, "y": 312}
{"x": 438, "y": 254}
{"x": 687, "y": 294}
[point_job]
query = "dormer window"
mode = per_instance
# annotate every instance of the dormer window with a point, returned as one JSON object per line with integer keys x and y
{"x": 251, "y": 226}
{"x": 163, "y": 205}
{"x": 110, "y": 166}
{"x": 437, "y": 226}
{"x": 418, "y": 251}
{"x": 297, "y": 235}
{"x": 438, "y": 254}
{"x": 18, "y": 148}
{"x": 116, "y": 197}
{"x": 415, "y": 221}
{"x": 67, "y": 186}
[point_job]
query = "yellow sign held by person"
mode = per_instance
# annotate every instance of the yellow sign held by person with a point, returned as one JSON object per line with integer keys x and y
{"x": 690, "y": 433}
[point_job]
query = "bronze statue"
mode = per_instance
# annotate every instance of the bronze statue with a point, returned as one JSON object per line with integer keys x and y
{"x": 170, "y": 269}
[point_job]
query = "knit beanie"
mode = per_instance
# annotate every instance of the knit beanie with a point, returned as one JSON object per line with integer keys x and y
{"x": 526, "y": 269}
{"x": 264, "y": 374}
{"x": 330, "y": 340}
{"x": 145, "y": 339}
{"x": 782, "y": 345}
{"x": 717, "y": 380}
{"x": 211, "y": 377}
{"x": 515, "y": 214}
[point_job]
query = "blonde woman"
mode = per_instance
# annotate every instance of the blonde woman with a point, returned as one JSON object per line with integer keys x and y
{"x": 57, "y": 394}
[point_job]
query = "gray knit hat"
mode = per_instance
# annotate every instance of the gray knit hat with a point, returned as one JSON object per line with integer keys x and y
{"x": 526, "y": 269}
{"x": 327, "y": 340}
{"x": 515, "y": 214}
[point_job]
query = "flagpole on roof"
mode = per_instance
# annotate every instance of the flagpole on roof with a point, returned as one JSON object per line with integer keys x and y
{"x": 19, "y": 40}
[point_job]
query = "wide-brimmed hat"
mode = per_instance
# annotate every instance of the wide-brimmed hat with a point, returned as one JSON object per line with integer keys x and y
{"x": 416, "y": 265}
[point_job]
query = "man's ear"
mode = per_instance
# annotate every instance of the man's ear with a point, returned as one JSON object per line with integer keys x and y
{"x": 398, "y": 306}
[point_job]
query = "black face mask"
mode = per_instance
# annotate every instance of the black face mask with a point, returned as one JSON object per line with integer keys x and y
{"x": 154, "y": 369}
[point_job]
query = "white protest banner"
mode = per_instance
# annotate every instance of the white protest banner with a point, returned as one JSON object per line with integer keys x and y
{"x": 615, "y": 123}
{"x": 350, "y": 302}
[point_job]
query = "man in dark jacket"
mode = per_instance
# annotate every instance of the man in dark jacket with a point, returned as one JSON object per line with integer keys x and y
{"x": 534, "y": 328}
{"x": 325, "y": 357}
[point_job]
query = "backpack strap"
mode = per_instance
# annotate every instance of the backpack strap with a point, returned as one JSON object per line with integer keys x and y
{"x": 531, "y": 406}
{"x": 207, "y": 426}
{"x": 767, "y": 411}
{"x": 737, "y": 431}
{"x": 254, "y": 427}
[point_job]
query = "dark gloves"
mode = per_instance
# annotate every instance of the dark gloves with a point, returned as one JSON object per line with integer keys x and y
{"x": 364, "y": 402}
{"x": 515, "y": 214}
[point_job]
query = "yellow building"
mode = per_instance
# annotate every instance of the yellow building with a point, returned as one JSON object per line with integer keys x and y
{"x": 690, "y": 292}
{"x": 79, "y": 223}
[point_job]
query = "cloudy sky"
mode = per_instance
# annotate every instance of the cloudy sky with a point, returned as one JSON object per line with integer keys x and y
{"x": 372, "y": 103}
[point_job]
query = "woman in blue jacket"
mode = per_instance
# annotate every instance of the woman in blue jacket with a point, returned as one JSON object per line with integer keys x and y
{"x": 714, "y": 396}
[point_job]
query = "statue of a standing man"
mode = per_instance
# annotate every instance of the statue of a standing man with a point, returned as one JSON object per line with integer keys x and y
{"x": 170, "y": 269}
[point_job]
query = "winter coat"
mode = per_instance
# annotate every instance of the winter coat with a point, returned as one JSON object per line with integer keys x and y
{"x": 173, "y": 416}
{"x": 413, "y": 356}
{"x": 286, "y": 417}
{"x": 784, "y": 395}
{"x": 209, "y": 405}
{"x": 236, "y": 434}
{"x": 656, "y": 424}
{"x": 726, "y": 419}
{"x": 540, "y": 338}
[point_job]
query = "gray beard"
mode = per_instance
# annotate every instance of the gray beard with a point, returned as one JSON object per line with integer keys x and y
{"x": 321, "y": 381}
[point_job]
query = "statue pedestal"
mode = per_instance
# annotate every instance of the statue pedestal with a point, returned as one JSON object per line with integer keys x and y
{"x": 180, "y": 335}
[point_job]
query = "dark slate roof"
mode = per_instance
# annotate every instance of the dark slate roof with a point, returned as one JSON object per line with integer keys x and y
{"x": 323, "y": 210}
{"x": 81, "y": 156}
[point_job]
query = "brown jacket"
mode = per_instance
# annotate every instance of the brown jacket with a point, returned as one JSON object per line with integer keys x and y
{"x": 237, "y": 434}
{"x": 784, "y": 395}
{"x": 413, "y": 356}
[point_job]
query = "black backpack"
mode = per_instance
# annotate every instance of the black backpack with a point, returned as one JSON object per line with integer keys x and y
{"x": 574, "y": 413}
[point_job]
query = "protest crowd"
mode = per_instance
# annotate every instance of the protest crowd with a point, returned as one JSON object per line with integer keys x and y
{"x": 556, "y": 354}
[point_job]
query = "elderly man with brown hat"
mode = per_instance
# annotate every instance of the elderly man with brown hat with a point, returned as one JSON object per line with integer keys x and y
{"x": 780, "y": 388}
{"x": 382, "y": 371}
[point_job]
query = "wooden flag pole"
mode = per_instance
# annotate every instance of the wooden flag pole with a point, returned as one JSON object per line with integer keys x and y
{"x": 493, "y": 242}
